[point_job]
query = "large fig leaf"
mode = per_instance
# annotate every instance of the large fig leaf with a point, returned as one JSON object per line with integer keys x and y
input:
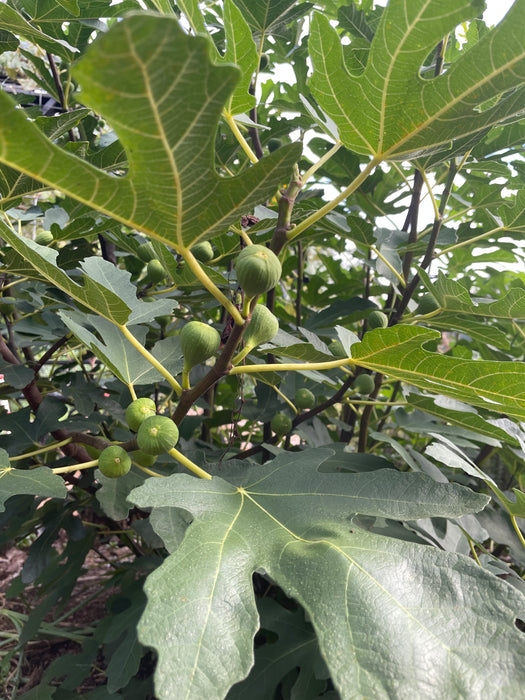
{"x": 391, "y": 112}
{"x": 106, "y": 289}
{"x": 163, "y": 95}
{"x": 40, "y": 482}
{"x": 374, "y": 602}
{"x": 399, "y": 353}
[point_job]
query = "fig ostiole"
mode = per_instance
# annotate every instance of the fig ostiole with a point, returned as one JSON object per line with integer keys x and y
{"x": 114, "y": 461}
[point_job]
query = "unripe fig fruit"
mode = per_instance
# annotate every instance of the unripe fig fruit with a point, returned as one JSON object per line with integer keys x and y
{"x": 273, "y": 144}
{"x": 146, "y": 252}
{"x": 337, "y": 349}
{"x": 6, "y": 307}
{"x": 138, "y": 411}
{"x": 44, "y": 238}
{"x": 164, "y": 320}
{"x": 281, "y": 424}
{"x": 262, "y": 327}
{"x": 114, "y": 461}
{"x": 157, "y": 434}
{"x": 364, "y": 384}
{"x": 198, "y": 342}
{"x": 304, "y": 399}
{"x": 427, "y": 304}
{"x": 203, "y": 251}
{"x": 258, "y": 270}
{"x": 144, "y": 459}
{"x": 93, "y": 452}
{"x": 377, "y": 319}
{"x": 264, "y": 61}
{"x": 155, "y": 272}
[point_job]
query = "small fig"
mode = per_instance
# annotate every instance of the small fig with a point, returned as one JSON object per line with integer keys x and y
{"x": 157, "y": 434}
{"x": 155, "y": 272}
{"x": 273, "y": 144}
{"x": 144, "y": 459}
{"x": 304, "y": 399}
{"x": 264, "y": 61}
{"x": 146, "y": 252}
{"x": 198, "y": 343}
{"x": 337, "y": 349}
{"x": 164, "y": 320}
{"x": 114, "y": 461}
{"x": 262, "y": 327}
{"x": 203, "y": 251}
{"x": 138, "y": 411}
{"x": 427, "y": 304}
{"x": 258, "y": 270}
{"x": 377, "y": 319}
{"x": 281, "y": 424}
{"x": 44, "y": 238}
{"x": 364, "y": 384}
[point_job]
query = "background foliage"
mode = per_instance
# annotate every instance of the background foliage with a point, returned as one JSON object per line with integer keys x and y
{"x": 373, "y": 547}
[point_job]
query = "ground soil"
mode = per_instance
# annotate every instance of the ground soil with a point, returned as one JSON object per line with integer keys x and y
{"x": 25, "y": 670}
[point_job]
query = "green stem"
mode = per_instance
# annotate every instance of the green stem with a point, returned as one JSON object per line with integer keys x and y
{"x": 206, "y": 282}
{"x": 46, "y": 448}
{"x": 316, "y": 216}
{"x": 75, "y": 467}
{"x": 315, "y": 167}
{"x": 389, "y": 265}
{"x": 239, "y": 136}
{"x": 518, "y": 531}
{"x": 189, "y": 464}
{"x": 290, "y": 367}
{"x": 472, "y": 240}
{"x": 152, "y": 360}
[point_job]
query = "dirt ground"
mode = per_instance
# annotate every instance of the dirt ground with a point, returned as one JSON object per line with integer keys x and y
{"x": 25, "y": 670}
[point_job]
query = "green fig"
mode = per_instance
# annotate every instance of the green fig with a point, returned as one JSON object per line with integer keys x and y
{"x": 157, "y": 434}
{"x": 304, "y": 399}
{"x": 377, "y": 319}
{"x": 114, "y": 461}
{"x": 198, "y": 342}
{"x": 281, "y": 424}
{"x": 203, "y": 251}
{"x": 364, "y": 384}
{"x": 44, "y": 238}
{"x": 258, "y": 270}
{"x": 146, "y": 252}
{"x": 138, "y": 411}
